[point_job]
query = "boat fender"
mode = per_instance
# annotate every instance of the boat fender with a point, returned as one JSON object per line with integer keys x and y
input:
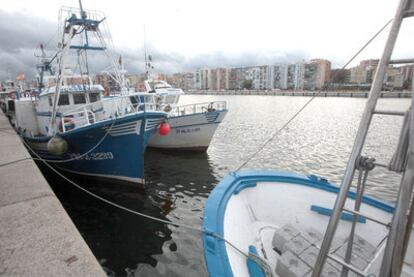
{"x": 57, "y": 146}
{"x": 164, "y": 129}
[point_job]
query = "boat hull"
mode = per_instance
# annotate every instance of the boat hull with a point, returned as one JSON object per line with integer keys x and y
{"x": 192, "y": 132}
{"x": 118, "y": 148}
{"x": 248, "y": 208}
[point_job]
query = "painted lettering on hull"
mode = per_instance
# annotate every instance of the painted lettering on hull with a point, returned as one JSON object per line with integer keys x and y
{"x": 187, "y": 130}
{"x": 93, "y": 156}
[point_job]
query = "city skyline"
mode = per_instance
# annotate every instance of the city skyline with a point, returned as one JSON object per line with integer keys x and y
{"x": 314, "y": 74}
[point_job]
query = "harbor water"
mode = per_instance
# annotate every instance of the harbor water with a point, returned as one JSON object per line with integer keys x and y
{"x": 317, "y": 142}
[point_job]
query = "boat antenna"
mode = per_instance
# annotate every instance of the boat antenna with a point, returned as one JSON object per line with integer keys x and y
{"x": 145, "y": 55}
{"x": 45, "y": 65}
{"x": 148, "y": 59}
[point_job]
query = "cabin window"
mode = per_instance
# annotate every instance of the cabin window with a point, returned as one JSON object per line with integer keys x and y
{"x": 63, "y": 100}
{"x": 79, "y": 99}
{"x": 50, "y": 101}
{"x": 93, "y": 97}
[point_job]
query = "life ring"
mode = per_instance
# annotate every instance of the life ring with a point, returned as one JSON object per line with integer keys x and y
{"x": 68, "y": 122}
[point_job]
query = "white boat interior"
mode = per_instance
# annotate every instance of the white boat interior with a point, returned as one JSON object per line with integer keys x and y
{"x": 288, "y": 230}
{"x": 284, "y": 222}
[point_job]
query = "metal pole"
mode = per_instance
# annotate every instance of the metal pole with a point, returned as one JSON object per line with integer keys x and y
{"x": 357, "y": 206}
{"x": 393, "y": 255}
{"x": 359, "y": 140}
{"x": 411, "y": 213}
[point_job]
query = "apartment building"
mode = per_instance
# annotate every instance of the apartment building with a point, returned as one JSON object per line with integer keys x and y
{"x": 279, "y": 76}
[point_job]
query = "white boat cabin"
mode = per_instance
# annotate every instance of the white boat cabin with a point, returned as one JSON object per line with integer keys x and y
{"x": 78, "y": 105}
{"x": 167, "y": 95}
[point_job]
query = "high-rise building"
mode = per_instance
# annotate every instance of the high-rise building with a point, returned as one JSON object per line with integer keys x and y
{"x": 407, "y": 73}
{"x": 323, "y": 72}
{"x": 364, "y": 72}
{"x": 394, "y": 78}
{"x": 236, "y": 78}
{"x": 310, "y": 76}
{"x": 295, "y": 76}
{"x": 279, "y": 75}
{"x": 223, "y": 76}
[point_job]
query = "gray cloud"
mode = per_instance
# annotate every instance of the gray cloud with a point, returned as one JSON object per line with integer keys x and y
{"x": 20, "y": 34}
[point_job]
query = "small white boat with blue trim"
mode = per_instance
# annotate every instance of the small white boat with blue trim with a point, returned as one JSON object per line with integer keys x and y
{"x": 71, "y": 126}
{"x": 281, "y": 217}
{"x": 192, "y": 126}
{"x": 275, "y": 223}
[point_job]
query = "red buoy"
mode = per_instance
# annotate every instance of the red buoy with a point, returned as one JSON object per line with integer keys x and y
{"x": 164, "y": 129}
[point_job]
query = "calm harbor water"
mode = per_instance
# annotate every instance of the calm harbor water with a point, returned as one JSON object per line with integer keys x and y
{"x": 317, "y": 142}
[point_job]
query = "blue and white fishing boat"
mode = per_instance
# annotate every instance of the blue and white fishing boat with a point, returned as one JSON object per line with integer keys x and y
{"x": 272, "y": 223}
{"x": 71, "y": 126}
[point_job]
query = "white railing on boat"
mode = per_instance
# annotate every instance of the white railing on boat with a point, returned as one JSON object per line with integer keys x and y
{"x": 107, "y": 108}
{"x": 197, "y": 108}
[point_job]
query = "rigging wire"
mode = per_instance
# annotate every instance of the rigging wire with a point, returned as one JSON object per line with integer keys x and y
{"x": 309, "y": 101}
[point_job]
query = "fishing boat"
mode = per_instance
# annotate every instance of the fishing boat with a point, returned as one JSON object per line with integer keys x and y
{"x": 192, "y": 126}
{"x": 70, "y": 125}
{"x": 8, "y": 95}
{"x": 276, "y": 223}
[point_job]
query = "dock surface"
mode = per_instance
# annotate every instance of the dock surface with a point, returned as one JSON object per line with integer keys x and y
{"x": 37, "y": 237}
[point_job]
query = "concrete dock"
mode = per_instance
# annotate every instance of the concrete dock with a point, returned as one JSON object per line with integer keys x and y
{"x": 37, "y": 237}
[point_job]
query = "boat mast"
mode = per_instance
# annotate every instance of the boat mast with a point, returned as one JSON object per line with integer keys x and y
{"x": 44, "y": 66}
{"x": 72, "y": 26}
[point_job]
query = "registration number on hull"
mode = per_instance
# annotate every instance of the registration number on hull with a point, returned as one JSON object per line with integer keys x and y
{"x": 99, "y": 156}
{"x": 188, "y": 130}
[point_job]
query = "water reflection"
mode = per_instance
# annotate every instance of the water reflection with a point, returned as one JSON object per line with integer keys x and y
{"x": 128, "y": 245}
{"x": 319, "y": 141}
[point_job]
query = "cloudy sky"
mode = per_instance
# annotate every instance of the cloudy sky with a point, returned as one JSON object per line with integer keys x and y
{"x": 184, "y": 35}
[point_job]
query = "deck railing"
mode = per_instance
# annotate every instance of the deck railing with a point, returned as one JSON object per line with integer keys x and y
{"x": 105, "y": 109}
{"x": 196, "y": 108}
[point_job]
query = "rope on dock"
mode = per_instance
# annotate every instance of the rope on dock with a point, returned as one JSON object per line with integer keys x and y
{"x": 15, "y": 161}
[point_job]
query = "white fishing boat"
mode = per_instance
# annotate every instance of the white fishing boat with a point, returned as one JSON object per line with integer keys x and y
{"x": 70, "y": 125}
{"x": 192, "y": 126}
{"x": 10, "y": 93}
{"x": 272, "y": 223}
